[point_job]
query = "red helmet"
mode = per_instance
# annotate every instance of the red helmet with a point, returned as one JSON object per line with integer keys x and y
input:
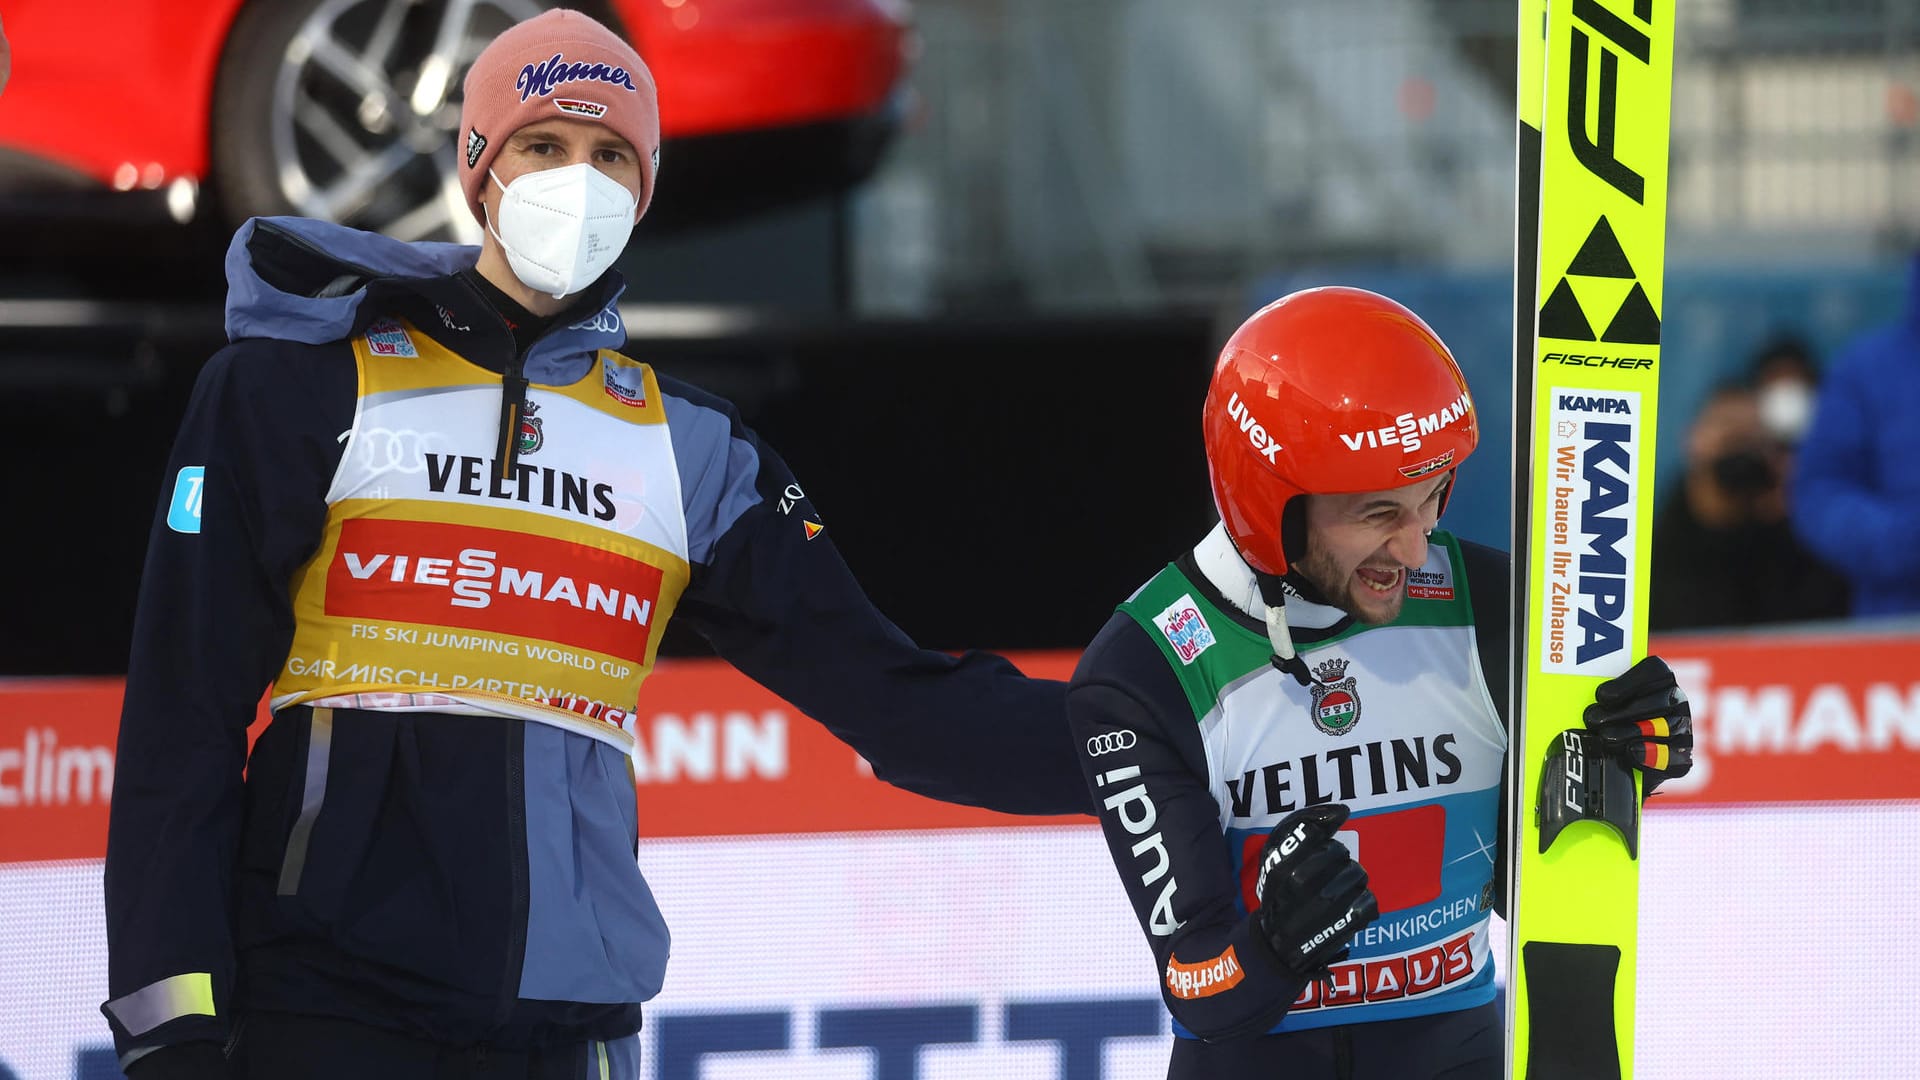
{"x": 1328, "y": 391}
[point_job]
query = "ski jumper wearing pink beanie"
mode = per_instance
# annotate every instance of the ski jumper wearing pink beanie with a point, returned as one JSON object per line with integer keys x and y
{"x": 558, "y": 65}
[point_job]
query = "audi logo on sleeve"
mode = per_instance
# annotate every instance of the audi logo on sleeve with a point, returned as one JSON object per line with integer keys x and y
{"x": 1110, "y": 741}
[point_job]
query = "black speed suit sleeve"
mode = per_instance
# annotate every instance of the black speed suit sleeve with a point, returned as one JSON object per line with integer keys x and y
{"x": 784, "y": 608}
{"x": 212, "y": 626}
{"x": 1162, "y": 826}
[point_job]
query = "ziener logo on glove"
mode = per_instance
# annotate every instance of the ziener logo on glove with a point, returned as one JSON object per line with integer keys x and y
{"x": 1333, "y": 929}
{"x": 1204, "y": 979}
{"x": 1286, "y": 847}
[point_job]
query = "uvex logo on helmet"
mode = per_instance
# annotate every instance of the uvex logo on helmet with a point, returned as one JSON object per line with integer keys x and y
{"x": 1263, "y": 444}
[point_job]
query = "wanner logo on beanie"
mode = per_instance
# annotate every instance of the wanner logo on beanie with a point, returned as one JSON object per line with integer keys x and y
{"x": 550, "y": 73}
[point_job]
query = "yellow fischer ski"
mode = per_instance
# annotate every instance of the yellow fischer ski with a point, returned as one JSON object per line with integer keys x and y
{"x": 1594, "y": 97}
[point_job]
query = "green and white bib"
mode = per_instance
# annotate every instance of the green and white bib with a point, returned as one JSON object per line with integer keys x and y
{"x": 1398, "y": 725}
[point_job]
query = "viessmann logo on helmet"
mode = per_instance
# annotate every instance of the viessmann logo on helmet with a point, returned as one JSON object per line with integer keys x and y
{"x": 1408, "y": 430}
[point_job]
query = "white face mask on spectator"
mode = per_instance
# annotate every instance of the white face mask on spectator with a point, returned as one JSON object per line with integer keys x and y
{"x": 561, "y": 228}
{"x": 1786, "y": 407}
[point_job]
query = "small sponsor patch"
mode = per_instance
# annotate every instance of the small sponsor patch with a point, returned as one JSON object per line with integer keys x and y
{"x": 389, "y": 338}
{"x": 813, "y": 528}
{"x": 476, "y": 145}
{"x": 1186, "y": 629}
{"x": 1425, "y": 584}
{"x": 1206, "y": 978}
{"x": 592, "y": 110}
{"x": 790, "y": 498}
{"x": 626, "y": 385}
{"x": 183, "y": 513}
{"x": 1431, "y": 465}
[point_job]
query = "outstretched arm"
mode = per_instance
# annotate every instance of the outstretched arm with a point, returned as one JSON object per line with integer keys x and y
{"x": 773, "y": 596}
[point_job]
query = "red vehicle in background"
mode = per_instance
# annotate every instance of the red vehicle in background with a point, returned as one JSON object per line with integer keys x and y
{"x": 347, "y": 109}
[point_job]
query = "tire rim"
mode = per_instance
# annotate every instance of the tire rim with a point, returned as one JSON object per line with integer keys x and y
{"x": 366, "y": 107}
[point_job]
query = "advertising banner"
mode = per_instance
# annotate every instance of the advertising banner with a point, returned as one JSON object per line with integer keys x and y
{"x": 1790, "y": 718}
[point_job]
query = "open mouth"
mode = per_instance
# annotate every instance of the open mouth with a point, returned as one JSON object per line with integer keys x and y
{"x": 1379, "y": 581}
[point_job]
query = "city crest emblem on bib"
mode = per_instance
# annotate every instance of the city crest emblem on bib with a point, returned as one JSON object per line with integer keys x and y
{"x": 1336, "y": 704}
{"x": 530, "y": 435}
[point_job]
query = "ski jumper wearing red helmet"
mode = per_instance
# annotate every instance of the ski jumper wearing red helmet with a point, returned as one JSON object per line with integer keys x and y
{"x": 1234, "y": 795}
{"x": 1297, "y": 731}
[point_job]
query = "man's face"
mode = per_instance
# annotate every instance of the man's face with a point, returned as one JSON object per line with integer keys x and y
{"x": 551, "y": 144}
{"x": 1360, "y": 546}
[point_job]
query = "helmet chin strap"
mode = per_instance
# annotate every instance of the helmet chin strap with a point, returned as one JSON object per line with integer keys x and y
{"x": 1285, "y": 658}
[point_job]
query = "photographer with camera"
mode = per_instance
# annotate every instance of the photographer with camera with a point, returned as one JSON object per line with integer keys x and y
{"x": 1723, "y": 552}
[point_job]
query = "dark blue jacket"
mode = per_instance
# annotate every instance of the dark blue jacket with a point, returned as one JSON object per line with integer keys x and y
{"x": 1855, "y": 488}
{"x": 460, "y": 878}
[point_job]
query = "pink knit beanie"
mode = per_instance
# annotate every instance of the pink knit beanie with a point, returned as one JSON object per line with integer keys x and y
{"x": 559, "y": 64}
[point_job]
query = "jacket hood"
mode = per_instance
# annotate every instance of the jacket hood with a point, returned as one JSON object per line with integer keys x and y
{"x": 308, "y": 281}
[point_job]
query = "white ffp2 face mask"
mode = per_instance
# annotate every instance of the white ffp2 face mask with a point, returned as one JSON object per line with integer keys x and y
{"x": 1786, "y": 407}
{"x": 561, "y": 228}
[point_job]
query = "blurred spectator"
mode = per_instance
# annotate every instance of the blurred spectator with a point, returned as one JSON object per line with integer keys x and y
{"x": 1723, "y": 552}
{"x": 1786, "y": 380}
{"x": 1856, "y": 495}
{"x": 6, "y": 59}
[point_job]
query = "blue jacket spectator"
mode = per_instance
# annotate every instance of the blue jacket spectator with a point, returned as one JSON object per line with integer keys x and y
{"x": 1856, "y": 492}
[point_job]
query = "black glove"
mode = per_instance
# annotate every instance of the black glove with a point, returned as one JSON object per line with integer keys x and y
{"x": 1642, "y": 718}
{"x": 199, "y": 1060}
{"x": 1313, "y": 896}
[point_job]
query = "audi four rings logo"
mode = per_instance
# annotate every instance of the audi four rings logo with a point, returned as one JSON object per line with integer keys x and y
{"x": 1109, "y": 742}
{"x": 604, "y": 321}
{"x": 401, "y": 450}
